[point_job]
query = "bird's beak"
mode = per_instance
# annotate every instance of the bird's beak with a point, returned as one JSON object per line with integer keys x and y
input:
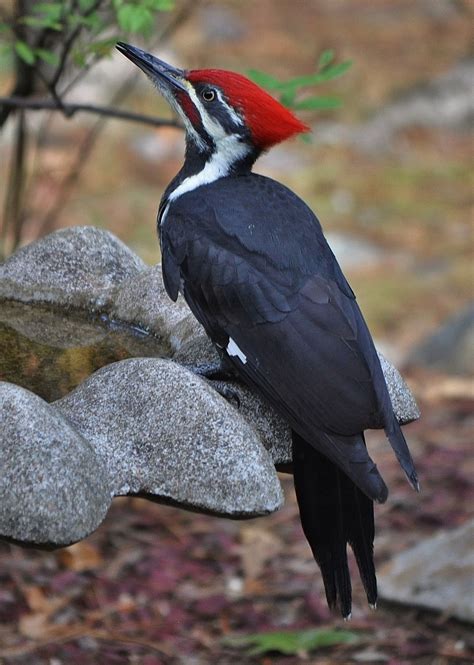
{"x": 160, "y": 72}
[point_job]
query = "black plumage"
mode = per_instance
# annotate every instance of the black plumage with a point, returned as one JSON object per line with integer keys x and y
{"x": 252, "y": 262}
{"x": 254, "y": 267}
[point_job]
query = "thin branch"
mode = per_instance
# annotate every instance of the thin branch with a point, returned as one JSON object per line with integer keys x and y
{"x": 13, "y": 214}
{"x": 71, "y": 109}
{"x": 68, "y": 43}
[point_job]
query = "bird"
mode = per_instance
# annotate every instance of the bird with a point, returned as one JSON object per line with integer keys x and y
{"x": 251, "y": 260}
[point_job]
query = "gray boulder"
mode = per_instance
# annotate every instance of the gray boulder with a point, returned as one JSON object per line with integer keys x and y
{"x": 404, "y": 404}
{"x": 54, "y": 489}
{"x": 143, "y": 301}
{"x": 139, "y": 426}
{"x": 451, "y": 348}
{"x": 161, "y": 430}
{"x": 77, "y": 266}
{"x": 437, "y": 574}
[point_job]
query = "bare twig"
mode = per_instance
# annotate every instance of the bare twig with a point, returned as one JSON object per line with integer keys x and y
{"x": 78, "y": 632}
{"x": 71, "y": 109}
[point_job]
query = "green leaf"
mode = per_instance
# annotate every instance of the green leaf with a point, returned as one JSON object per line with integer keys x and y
{"x": 160, "y": 5}
{"x": 292, "y": 642}
{"x": 50, "y": 10}
{"x": 334, "y": 71}
{"x": 49, "y": 57}
{"x": 325, "y": 58}
{"x": 317, "y": 103}
{"x": 327, "y": 74}
{"x": 263, "y": 79}
{"x": 85, "y": 5}
{"x": 79, "y": 58}
{"x": 25, "y": 52}
{"x": 134, "y": 18}
{"x": 102, "y": 47}
{"x": 40, "y": 22}
{"x": 288, "y": 97}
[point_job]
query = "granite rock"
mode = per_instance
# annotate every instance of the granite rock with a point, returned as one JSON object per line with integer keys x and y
{"x": 77, "y": 266}
{"x": 53, "y": 487}
{"x": 160, "y": 429}
{"x": 437, "y": 574}
{"x": 404, "y": 404}
{"x": 143, "y": 301}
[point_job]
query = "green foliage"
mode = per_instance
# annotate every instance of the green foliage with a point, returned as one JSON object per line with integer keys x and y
{"x": 24, "y": 52}
{"x": 95, "y": 25}
{"x": 292, "y": 642}
{"x": 289, "y": 91}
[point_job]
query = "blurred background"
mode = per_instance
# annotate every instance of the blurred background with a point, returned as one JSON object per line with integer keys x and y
{"x": 389, "y": 176}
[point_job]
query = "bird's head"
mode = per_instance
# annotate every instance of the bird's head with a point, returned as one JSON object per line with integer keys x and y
{"x": 222, "y": 111}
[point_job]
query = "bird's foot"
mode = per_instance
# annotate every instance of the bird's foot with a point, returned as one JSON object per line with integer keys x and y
{"x": 227, "y": 393}
{"x": 217, "y": 374}
{"x": 213, "y": 371}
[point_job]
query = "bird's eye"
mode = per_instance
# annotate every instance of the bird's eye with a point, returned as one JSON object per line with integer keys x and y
{"x": 208, "y": 95}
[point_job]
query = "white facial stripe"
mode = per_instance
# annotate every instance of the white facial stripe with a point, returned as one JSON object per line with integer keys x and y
{"x": 212, "y": 126}
{"x": 229, "y": 150}
{"x": 235, "y": 116}
{"x": 233, "y": 350}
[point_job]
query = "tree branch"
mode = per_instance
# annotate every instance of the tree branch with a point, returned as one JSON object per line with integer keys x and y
{"x": 68, "y": 43}
{"x": 71, "y": 109}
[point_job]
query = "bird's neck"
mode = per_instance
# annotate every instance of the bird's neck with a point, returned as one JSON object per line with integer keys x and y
{"x": 230, "y": 157}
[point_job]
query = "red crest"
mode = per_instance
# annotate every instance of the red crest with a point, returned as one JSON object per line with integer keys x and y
{"x": 268, "y": 120}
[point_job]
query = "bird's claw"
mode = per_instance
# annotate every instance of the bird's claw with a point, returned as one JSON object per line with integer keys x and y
{"x": 214, "y": 371}
{"x": 227, "y": 393}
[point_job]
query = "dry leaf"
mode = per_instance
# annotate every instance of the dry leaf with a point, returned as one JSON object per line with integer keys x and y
{"x": 80, "y": 556}
{"x": 33, "y": 626}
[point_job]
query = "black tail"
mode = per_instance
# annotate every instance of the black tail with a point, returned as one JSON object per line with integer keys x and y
{"x": 334, "y": 512}
{"x": 400, "y": 447}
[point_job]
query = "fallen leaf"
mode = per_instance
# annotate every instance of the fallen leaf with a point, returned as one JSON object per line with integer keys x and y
{"x": 80, "y": 556}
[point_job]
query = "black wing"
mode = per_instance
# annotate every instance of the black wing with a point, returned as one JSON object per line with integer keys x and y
{"x": 255, "y": 268}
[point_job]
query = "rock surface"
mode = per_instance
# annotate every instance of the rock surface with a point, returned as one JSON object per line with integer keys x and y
{"x": 143, "y": 301}
{"x": 437, "y": 574}
{"x": 162, "y": 430}
{"x": 141, "y": 425}
{"x": 451, "y": 348}
{"x": 78, "y": 266}
{"x": 53, "y": 487}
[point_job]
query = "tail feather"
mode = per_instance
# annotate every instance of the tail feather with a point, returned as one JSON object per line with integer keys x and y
{"x": 334, "y": 512}
{"x": 400, "y": 448}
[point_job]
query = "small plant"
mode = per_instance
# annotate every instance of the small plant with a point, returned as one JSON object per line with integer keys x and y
{"x": 289, "y": 91}
{"x": 292, "y": 642}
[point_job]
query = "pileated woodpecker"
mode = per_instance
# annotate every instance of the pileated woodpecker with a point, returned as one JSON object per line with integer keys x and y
{"x": 251, "y": 261}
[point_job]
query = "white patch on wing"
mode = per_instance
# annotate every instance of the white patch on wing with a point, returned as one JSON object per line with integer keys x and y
{"x": 233, "y": 350}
